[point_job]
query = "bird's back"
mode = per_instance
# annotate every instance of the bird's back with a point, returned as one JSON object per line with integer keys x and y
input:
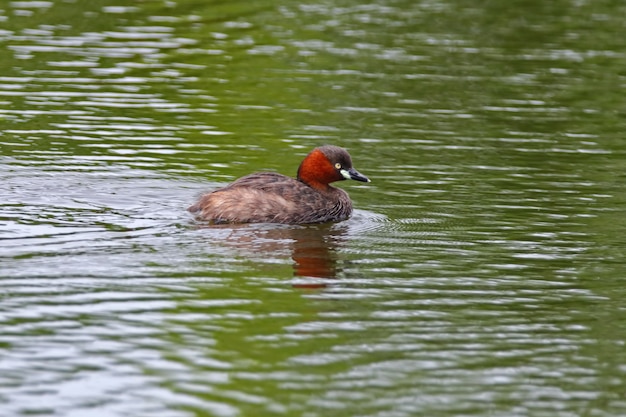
{"x": 268, "y": 197}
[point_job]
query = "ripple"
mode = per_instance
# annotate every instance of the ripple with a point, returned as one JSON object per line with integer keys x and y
{"x": 480, "y": 266}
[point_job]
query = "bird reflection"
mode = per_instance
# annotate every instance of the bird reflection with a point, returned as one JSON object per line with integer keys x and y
{"x": 314, "y": 251}
{"x": 313, "y": 248}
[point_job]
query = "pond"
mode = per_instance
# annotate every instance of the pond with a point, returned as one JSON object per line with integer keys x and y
{"x": 482, "y": 272}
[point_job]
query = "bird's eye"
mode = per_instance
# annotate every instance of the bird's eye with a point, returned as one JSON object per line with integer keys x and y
{"x": 338, "y": 165}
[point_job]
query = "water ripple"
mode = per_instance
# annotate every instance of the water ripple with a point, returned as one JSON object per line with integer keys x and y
{"x": 481, "y": 265}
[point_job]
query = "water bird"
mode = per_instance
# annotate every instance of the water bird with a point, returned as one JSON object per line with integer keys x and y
{"x": 269, "y": 197}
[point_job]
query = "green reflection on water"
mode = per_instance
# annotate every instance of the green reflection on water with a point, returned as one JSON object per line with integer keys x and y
{"x": 490, "y": 283}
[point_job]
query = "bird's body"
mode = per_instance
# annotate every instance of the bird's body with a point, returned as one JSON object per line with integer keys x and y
{"x": 268, "y": 197}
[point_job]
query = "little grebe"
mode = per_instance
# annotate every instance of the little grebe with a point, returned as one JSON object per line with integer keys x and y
{"x": 268, "y": 197}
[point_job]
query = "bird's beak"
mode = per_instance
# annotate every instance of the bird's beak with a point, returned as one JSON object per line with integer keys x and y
{"x": 353, "y": 174}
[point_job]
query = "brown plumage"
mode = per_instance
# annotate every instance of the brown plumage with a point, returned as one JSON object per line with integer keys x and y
{"x": 268, "y": 197}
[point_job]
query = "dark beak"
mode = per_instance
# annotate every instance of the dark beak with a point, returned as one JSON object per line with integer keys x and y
{"x": 357, "y": 176}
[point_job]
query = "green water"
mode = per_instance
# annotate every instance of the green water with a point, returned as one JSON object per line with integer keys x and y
{"x": 481, "y": 274}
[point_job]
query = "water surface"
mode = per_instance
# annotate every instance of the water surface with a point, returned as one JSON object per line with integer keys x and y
{"x": 481, "y": 273}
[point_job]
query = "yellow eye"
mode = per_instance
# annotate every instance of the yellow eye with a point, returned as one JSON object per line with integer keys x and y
{"x": 338, "y": 165}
